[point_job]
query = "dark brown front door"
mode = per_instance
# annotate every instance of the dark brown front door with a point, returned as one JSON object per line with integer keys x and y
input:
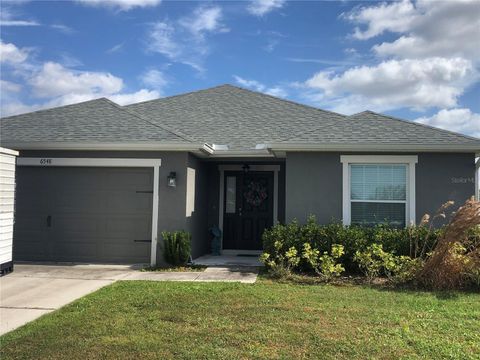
{"x": 248, "y": 209}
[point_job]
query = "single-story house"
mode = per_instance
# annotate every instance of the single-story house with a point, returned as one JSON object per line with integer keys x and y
{"x": 98, "y": 182}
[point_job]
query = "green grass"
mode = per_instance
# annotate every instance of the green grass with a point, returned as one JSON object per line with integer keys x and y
{"x": 141, "y": 320}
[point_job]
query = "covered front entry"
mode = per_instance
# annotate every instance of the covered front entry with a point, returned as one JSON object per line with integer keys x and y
{"x": 249, "y": 204}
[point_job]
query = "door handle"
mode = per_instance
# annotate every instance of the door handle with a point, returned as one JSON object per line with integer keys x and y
{"x": 49, "y": 221}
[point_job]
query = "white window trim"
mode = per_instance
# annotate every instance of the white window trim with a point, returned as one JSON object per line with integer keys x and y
{"x": 108, "y": 162}
{"x": 409, "y": 160}
{"x": 239, "y": 167}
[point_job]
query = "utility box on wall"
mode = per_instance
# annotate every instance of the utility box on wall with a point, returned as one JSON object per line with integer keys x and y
{"x": 7, "y": 207}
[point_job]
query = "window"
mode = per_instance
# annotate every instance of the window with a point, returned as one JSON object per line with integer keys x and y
{"x": 378, "y": 193}
{"x": 378, "y": 189}
{"x": 231, "y": 196}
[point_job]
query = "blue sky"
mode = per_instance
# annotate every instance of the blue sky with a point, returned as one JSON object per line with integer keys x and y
{"x": 415, "y": 60}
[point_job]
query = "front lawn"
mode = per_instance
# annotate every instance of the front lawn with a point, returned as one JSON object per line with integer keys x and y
{"x": 141, "y": 319}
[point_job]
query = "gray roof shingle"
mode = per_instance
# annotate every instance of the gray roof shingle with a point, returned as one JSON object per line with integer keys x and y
{"x": 232, "y": 116}
{"x": 222, "y": 115}
{"x": 370, "y": 127}
{"x": 94, "y": 121}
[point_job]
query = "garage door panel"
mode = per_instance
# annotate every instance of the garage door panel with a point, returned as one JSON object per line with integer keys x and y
{"x": 138, "y": 226}
{"x": 79, "y": 178}
{"x": 135, "y": 180}
{"x": 122, "y": 202}
{"x": 31, "y": 246}
{"x": 80, "y": 201}
{"x": 117, "y": 252}
{"x": 96, "y": 214}
{"x": 76, "y": 223}
{"x": 82, "y": 249}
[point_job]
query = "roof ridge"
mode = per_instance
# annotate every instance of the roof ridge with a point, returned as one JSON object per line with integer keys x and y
{"x": 416, "y": 124}
{"x": 285, "y": 100}
{"x": 53, "y": 108}
{"x": 134, "y": 113}
{"x": 176, "y": 95}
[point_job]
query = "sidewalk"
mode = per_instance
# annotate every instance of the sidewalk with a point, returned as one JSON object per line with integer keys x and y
{"x": 247, "y": 275}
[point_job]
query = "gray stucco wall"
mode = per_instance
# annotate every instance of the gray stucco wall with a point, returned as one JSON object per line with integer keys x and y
{"x": 196, "y": 216}
{"x": 313, "y": 186}
{"x": 314, "y": 183}
{"x": 443, "y": 177}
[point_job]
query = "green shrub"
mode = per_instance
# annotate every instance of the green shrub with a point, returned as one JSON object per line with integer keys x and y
{"x": 414, "y": 241}
{"x": 280, "y": 264}
{"x": 371, "y": 260}
{"x": 405, "y": 269}
{"x": 177, "y": 247}
{"x": 324, "y": 265}
{"x": 374, "y": 261}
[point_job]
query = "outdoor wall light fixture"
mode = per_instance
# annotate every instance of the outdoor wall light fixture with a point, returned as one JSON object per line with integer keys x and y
{"x": 245, "y": 168}
{"x": 172, "y": 179}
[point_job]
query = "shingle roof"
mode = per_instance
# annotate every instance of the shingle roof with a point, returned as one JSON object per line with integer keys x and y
{"x": 222, "y": 115}
{"x": 232, "y": 116}
{"x": 370, "y": 127}
{"x": 98, "y": 120}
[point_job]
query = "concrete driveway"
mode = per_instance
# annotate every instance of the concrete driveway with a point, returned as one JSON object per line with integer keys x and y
{"x": 34, "y": 290}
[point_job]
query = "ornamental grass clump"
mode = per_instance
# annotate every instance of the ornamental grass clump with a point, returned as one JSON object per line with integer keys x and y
{"x": 177, "y": 247}
{"x": 455, "y": 261}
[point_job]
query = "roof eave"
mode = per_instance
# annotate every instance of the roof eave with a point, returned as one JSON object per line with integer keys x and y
{"x": 251, "y": 153}
{"x": 290, "y": 146}
{"x": 113, "y": 146}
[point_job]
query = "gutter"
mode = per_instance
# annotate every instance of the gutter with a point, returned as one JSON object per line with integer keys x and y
{"x": 242, "y": 153}
{"x": 133, "y": 146}
{"x": 297, "y": 147}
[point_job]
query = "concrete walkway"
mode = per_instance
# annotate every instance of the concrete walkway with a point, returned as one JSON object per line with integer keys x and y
{"x": 242, "y": 274}
{"x": 33, "y": 290}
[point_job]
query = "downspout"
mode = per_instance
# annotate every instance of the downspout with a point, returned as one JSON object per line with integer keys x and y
{"x": 477, "y": 190}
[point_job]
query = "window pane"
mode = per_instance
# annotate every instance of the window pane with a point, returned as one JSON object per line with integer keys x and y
{"x": 373, "y": 213}
{"x": 231, "y": 195}
{"x": 378, "y": 182}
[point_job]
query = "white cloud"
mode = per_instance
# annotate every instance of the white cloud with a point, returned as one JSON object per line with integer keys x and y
{"x": 262, "y": 7}
{"x": 55, "y": 80}
{"x": 430, "y": 28}
{"x": 417, "y": 84}
{"x": 9, "y": 87}
{"x": 139, "y": 96}
{"x": 395, "y": 17}
{"x": 458, "y": 120}
{"x": 203, "y": 20}
{"x": 59, "y": 85}
{"x": 9, "y": 53}
{"x": 115, "y": 48}
{"x": 432, "y": 60}
{"x": 258, "y": 86}
{"x": 63, "y": 28}
{"x": 9, "y": 18}
{"x": 185, "y": 41}
{"x": 122, "y": 5}
{"x": 155, "y": 79}
{"x": 161, "y": 40}
{"x": 16, "y": 107}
